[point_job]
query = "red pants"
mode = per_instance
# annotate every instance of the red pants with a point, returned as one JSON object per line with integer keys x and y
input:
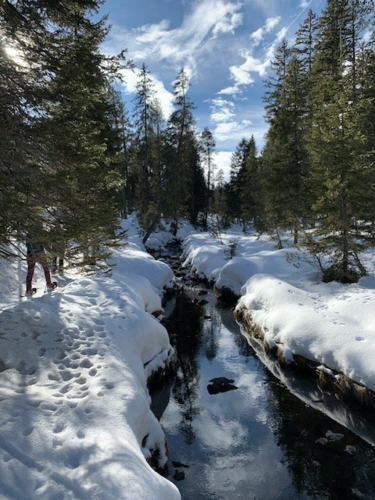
{"x": 31, "y": 261}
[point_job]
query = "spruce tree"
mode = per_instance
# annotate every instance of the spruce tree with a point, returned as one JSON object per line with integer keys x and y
{"x": 305, "y": 41}
{"x": 339, "y": 176}
{"x": 65, "y": 176}
{"x": 285, "y": 162}
{"x": 236, "y": 182}
{"x": 207, "y": 147}
{"x": 180, "y": 148}
{"x": 145, "y": 116}
{"x": 250, "y": 194}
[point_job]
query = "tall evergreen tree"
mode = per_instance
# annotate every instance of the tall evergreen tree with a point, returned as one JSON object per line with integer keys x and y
{"x": 122, "y": 131}
{"x": 305, "y": 41}
{"x": 207, "y": 146}
{"x": 339, "y": 178}
{"x": 250, "y": 194}
{"x": 197, "y": 197}
{"x": 144, "y": 120}
{"x": 285, "y": 162}
{"x": 66, "y": 184}
{"x": 236, "y": 182}
{"x": 180, "y": 147}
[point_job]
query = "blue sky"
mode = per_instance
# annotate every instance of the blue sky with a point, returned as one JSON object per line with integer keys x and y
{"x": 225, "y": 46}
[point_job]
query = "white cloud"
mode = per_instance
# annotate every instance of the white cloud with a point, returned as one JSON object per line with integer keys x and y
{"x": 180, "y": 46}
{"x": 222, "y": 110}
{"x": 228, "y": 25}
{"x": 271, "y": 23}
{"x": 258, "y": 35}
{"x": 232, "y": 130}
{"x": 222, "y": 161}
{"x": 165, "y": 97}
{"x": 243, "y": 74}
{"x": 230, "y": 91}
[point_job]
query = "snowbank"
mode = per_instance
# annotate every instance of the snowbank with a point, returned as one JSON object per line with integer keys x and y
{"x": 205, "y": 255}
{"x": 163, "y": 236}
{"x": 76, "y": 418}
{"x": 330, "y": 324}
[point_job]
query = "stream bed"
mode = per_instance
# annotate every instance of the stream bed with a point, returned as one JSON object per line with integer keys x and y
{"x": 250, "y": 438}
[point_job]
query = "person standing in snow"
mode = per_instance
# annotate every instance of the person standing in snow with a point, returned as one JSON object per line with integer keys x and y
{"x": 35, "y": 253}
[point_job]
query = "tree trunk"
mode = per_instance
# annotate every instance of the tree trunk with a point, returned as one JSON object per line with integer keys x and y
{"x": 152, "y": 227}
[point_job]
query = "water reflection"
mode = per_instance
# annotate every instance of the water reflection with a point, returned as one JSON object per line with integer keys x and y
{"x": 258, "y": 441}
{"x": 185, "y": 326}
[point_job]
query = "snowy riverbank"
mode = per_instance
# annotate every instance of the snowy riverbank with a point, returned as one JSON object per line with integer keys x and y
{"x": 331, "y": 324}
{"x": 75, "y": 411}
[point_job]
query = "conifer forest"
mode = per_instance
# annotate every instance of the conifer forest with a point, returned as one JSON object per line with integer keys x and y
{"x": 74, "y": 159}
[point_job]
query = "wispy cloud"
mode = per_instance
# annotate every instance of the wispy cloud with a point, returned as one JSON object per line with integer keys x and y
{"x": 226, "y": 124}
{"x": 206, "y": 21}
{"x": 258, "y": 35}
{"x": 222, "y": 110}
{"x": 219, "y": 55}
{"x": 243, "y": 74}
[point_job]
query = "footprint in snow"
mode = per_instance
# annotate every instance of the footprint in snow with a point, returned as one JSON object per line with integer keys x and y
{"x": 59, "y": 427}
{"x": 48, "y": 407}
{"x": 27, "y": 431}
{"x": 65, "y": 389}
{"x": 79, "y": 395}
{"x": 86, "y": 363}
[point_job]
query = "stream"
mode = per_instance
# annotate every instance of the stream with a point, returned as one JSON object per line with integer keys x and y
{"x": 251, "y": 438}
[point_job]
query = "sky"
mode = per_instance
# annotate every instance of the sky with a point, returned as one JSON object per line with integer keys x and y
{"x": 225, "y": 46}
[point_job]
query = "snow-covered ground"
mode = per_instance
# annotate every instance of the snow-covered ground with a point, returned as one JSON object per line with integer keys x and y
{"x": 75, "y": 411}
{"x": 331, "y": 324}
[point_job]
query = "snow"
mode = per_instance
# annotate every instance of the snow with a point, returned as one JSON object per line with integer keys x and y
{"x": 74, "y": 363}
{"x": 329, "y": 323}
{"x": 74, "y": 404}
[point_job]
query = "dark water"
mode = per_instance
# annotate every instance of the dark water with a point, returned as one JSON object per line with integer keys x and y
{"x": 258, "y": 441}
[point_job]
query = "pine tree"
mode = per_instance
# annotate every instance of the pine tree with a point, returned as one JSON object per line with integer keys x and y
{"x": 66, "y": 183}
{"x": 197, "y": 197}
{"x": 220, "y": 205}
{"x": 339, "y": 177}
{"x": 122, "y": 129}
{"x": 305, "y": 41}
{"x": 144, "y": 114}
{"x": 180, "y": 148}
{"x": 156, "y": 200}
{"x": 251, "y": 197}
{"x": 236, "y": 182}
{"x": 285, "y": 161}
{"x": 207, "y": 146}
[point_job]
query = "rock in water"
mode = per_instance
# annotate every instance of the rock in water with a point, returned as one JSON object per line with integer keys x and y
{"x": 220, "y": 384}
